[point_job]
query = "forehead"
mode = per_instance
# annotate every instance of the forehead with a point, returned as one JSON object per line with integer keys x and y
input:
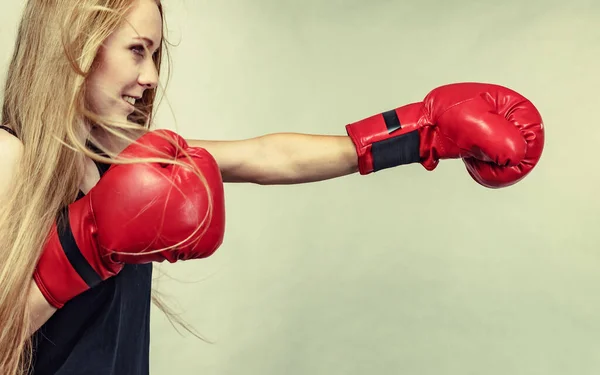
{"x": 143, "y": 20}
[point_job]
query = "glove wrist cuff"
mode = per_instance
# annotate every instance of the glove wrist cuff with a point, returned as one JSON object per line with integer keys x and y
{"x": 70, "y": 264}
{"x": 388, "y": 139}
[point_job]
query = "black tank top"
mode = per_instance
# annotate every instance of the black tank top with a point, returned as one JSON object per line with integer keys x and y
{"x": 103, "y": 331}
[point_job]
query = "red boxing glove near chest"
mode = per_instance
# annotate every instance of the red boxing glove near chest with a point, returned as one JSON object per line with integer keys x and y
{"x": 497, "y": 132}
{"x": 176, "y": 205}
{"x": 133, "y": 211}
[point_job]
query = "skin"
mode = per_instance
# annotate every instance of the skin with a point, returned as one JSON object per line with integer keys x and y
{"x": 122, "y": 66}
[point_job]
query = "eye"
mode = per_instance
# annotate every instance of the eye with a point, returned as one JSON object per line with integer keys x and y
{"x": 138, "y": 50}
{"x": 141, "y": 52}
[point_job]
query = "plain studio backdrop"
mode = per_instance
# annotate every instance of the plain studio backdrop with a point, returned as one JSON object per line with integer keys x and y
{"x": 403, "y": 271}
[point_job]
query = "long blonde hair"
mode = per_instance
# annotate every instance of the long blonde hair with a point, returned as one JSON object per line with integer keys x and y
{"x": 56, "y": 46}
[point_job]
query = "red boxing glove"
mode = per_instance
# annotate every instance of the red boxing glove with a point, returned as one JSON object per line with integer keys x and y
{"x": 134, "y": 210}
{"x": 497, "y": 132}
{"x": 174, "y": 205}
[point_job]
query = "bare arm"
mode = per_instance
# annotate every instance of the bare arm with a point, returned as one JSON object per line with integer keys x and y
{"x": 283, "y": 158}
{"x": 10, "y": 152}
{"x": 39, "y": 309}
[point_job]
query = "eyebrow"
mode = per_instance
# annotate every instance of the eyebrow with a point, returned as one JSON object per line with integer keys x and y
{"x": 147, "y": 40}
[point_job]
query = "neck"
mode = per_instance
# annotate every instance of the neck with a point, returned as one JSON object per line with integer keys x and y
{"x": 113, "y": 143}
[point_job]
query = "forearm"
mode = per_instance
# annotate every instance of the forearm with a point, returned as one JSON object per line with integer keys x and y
{"x": 294, "y": 158}
{"x": 283, "y": 158}
{"x": 39, "y": 309}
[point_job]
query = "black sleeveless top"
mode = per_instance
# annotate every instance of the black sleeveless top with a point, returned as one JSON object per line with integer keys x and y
{"x": 103, "y": 331}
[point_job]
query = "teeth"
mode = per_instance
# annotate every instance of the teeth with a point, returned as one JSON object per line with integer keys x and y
{"x": 129, "y": 99}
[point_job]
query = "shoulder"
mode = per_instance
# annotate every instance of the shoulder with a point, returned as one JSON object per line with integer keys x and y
{"x": 11, "y": 150}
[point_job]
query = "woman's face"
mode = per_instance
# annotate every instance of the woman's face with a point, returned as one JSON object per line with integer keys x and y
{"x": 123, "y": 70}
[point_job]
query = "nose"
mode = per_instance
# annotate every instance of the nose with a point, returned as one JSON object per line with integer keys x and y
{"x": 148, "y": 75}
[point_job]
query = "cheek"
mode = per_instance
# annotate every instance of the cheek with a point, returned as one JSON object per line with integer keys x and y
{"x": 115, "y": 67}
{"x": 108, "y": 81}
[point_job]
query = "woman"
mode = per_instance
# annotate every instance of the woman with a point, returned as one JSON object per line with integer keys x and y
{"x": 91, "y": 197}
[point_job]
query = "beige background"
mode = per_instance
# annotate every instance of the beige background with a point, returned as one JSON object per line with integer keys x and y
{"x": 440, "y": 276}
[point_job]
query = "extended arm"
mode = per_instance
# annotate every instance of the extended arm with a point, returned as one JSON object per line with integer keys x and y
{"x": 497, "y": 133}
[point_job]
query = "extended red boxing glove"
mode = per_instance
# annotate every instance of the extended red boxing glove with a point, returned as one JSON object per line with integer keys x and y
{"x": 497, "y": 132}
{"x": 133, "y": 211}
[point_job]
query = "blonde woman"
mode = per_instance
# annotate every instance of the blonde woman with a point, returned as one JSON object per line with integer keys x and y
{"x": 91, "y": 196}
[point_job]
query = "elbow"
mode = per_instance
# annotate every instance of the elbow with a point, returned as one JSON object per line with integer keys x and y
{"x": 279, "y": 174}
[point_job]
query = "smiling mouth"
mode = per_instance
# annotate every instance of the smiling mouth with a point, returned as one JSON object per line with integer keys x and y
{"x": 129, "y": 99}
